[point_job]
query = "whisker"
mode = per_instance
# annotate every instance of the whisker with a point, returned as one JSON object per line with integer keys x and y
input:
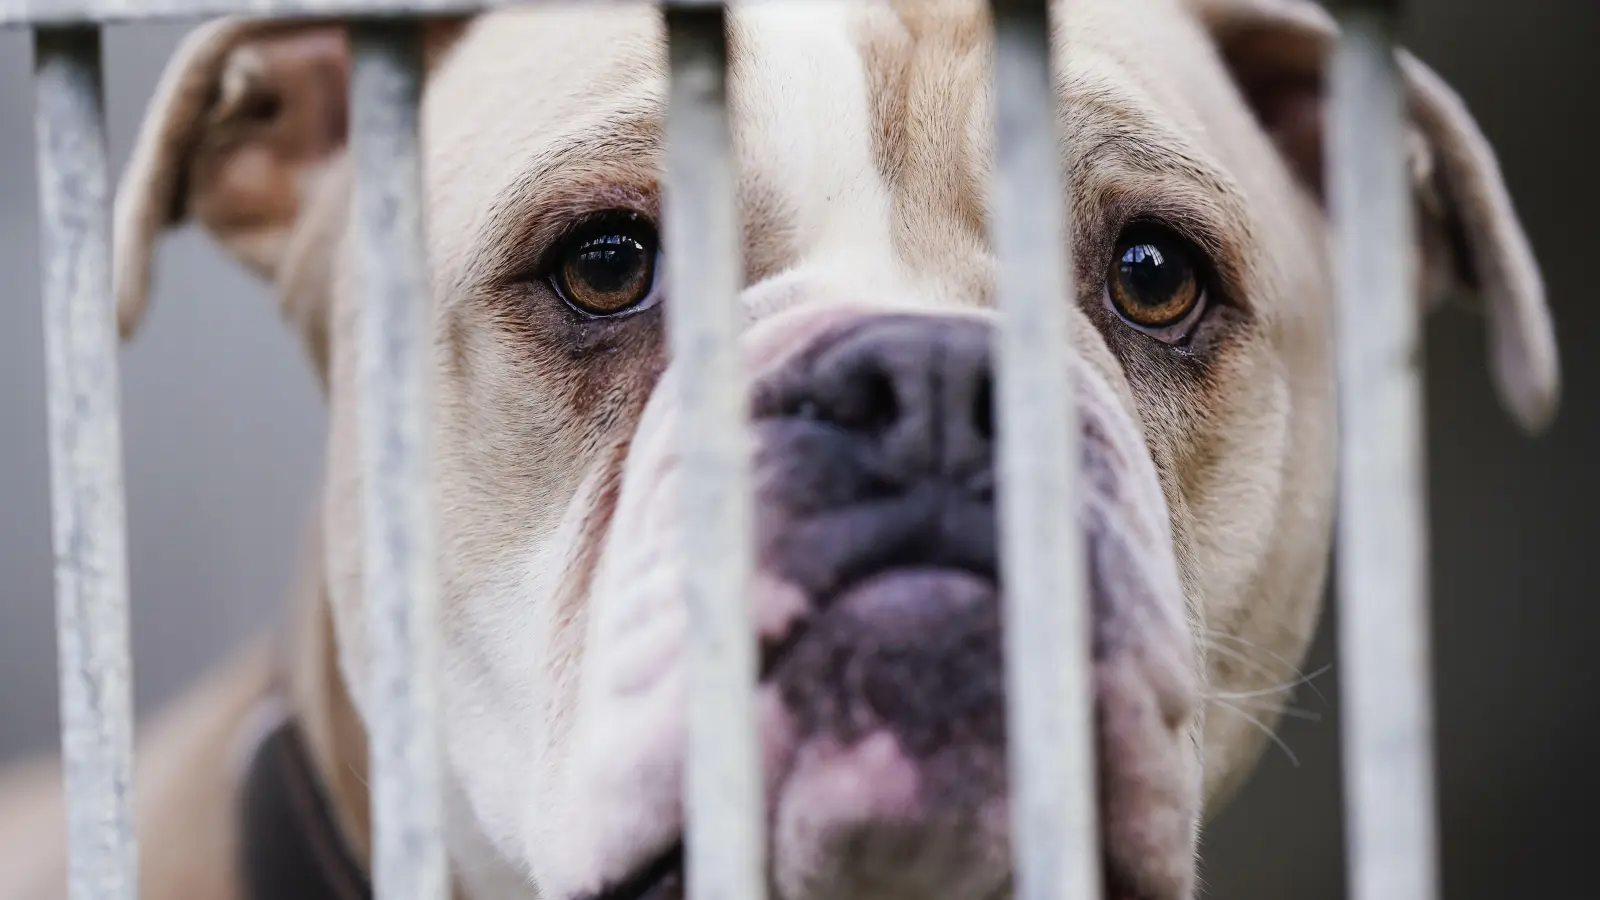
{"x": 1286, "y": 686}
{"x": 1291, "y": 712}
{"x": 1304, "y": 715}
{"x": 1293, "y": 759}
{"x": 1212, "y": 634}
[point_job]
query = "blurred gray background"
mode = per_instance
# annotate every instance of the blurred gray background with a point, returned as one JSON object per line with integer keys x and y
{"x": 223, "y": 431}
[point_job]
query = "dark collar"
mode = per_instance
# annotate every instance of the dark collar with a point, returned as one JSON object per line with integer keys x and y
{"x": 290, "y": 846}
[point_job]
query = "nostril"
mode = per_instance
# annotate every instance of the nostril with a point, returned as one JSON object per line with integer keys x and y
{"x": 869, "y": 402}
{"x": 983, "y": 407}
{"x": 915, "y": 392}
{"x": 880, "y": 401}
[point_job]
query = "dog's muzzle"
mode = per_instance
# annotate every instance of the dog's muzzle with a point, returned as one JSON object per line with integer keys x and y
{"x": 882, "y": 673}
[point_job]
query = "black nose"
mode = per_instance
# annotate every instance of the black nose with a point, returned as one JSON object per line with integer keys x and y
{"x": 916, "y": 390}
{"x": 875, "y": 451}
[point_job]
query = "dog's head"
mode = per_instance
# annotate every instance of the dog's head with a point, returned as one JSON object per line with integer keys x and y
{"x": 1204, "y": 387}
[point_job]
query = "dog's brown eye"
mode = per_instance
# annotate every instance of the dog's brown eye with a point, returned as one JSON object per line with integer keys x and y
{"x": 608, "y": 269}
{"x": 1155, "y": 283}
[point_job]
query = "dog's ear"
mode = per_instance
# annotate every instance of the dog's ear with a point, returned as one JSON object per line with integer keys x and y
{"x": 246, "y": 128}
{"x": 1471, "y": 243}
{"x": 245, "y": 121}
{"x": 246, "y": 136}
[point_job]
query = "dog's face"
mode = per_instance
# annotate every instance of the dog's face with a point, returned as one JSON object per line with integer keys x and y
{"x": 1204, "y": 385}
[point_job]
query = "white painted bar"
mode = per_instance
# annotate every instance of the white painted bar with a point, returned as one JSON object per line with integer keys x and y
{"x": 725, "y": 834}
{"x": 395, "y": 372}
{"x": 1054, "y": 810}
{"x": 15, "y": 13}
{"x": 71, "y": 12}
{"x": 1383, "y": 581}
{"x": 87, "y": 504}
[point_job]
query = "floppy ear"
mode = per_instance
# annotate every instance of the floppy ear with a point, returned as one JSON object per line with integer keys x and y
{"x": 247, "y": 123}
{"x": 246, "y": 136}
{"x": 1470, "y": 242}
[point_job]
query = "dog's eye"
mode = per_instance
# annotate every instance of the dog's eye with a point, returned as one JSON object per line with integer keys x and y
{"x": 1155, "y": 283}
{"x": 609, "y": 267}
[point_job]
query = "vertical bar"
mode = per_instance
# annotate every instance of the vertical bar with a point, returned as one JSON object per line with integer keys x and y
{"x": 725, "y": 823}
{"x": 1047, "y": 650}
{"x": 1383, "y": 589}
{"x": 396, "y": 436}
{"x": 90, "y": 539}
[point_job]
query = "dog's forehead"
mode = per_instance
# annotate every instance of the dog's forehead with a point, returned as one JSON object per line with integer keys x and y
{"x": 861, "y": 129}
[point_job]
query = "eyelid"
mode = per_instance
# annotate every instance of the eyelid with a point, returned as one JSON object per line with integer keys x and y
{"x": 607, "y": 238}
{"x": 600, "y": 224}
{"x": 1223, "y": 251}
{"x": 532, "y": 250}
{"x": 547, "y": 260}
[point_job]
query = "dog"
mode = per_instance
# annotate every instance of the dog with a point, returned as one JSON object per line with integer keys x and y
{"x": 1201, "y": 350}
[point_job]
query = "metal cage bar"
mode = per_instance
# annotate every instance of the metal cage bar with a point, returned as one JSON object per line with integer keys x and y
{"x": 1387, "y": 728}
{"x": 1050, "y": 700}
{"x": 78, "y": 12}
{"x": 401, "y": 593}
{"x": 724, "y": 841}
{"x": 88, "y": 513}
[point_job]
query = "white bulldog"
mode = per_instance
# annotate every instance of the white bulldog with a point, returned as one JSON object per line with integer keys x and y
{"x": 1202, "y": 351}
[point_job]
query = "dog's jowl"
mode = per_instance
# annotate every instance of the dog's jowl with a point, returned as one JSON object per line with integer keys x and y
{"x": 1203, "y": 384}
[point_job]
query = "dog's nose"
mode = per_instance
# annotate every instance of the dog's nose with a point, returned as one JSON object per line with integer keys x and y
{"x": 876, "y": 451}
{"x": 918, "y": 389}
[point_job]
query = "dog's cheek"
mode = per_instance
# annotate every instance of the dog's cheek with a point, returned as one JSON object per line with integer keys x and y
{"x": 620, "y": 792}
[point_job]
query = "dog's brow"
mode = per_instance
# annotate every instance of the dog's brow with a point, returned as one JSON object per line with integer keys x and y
{"x": 573, "y": 175}
{"x": 1124, "y": 165}
{"x": 1153, "y": 155}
